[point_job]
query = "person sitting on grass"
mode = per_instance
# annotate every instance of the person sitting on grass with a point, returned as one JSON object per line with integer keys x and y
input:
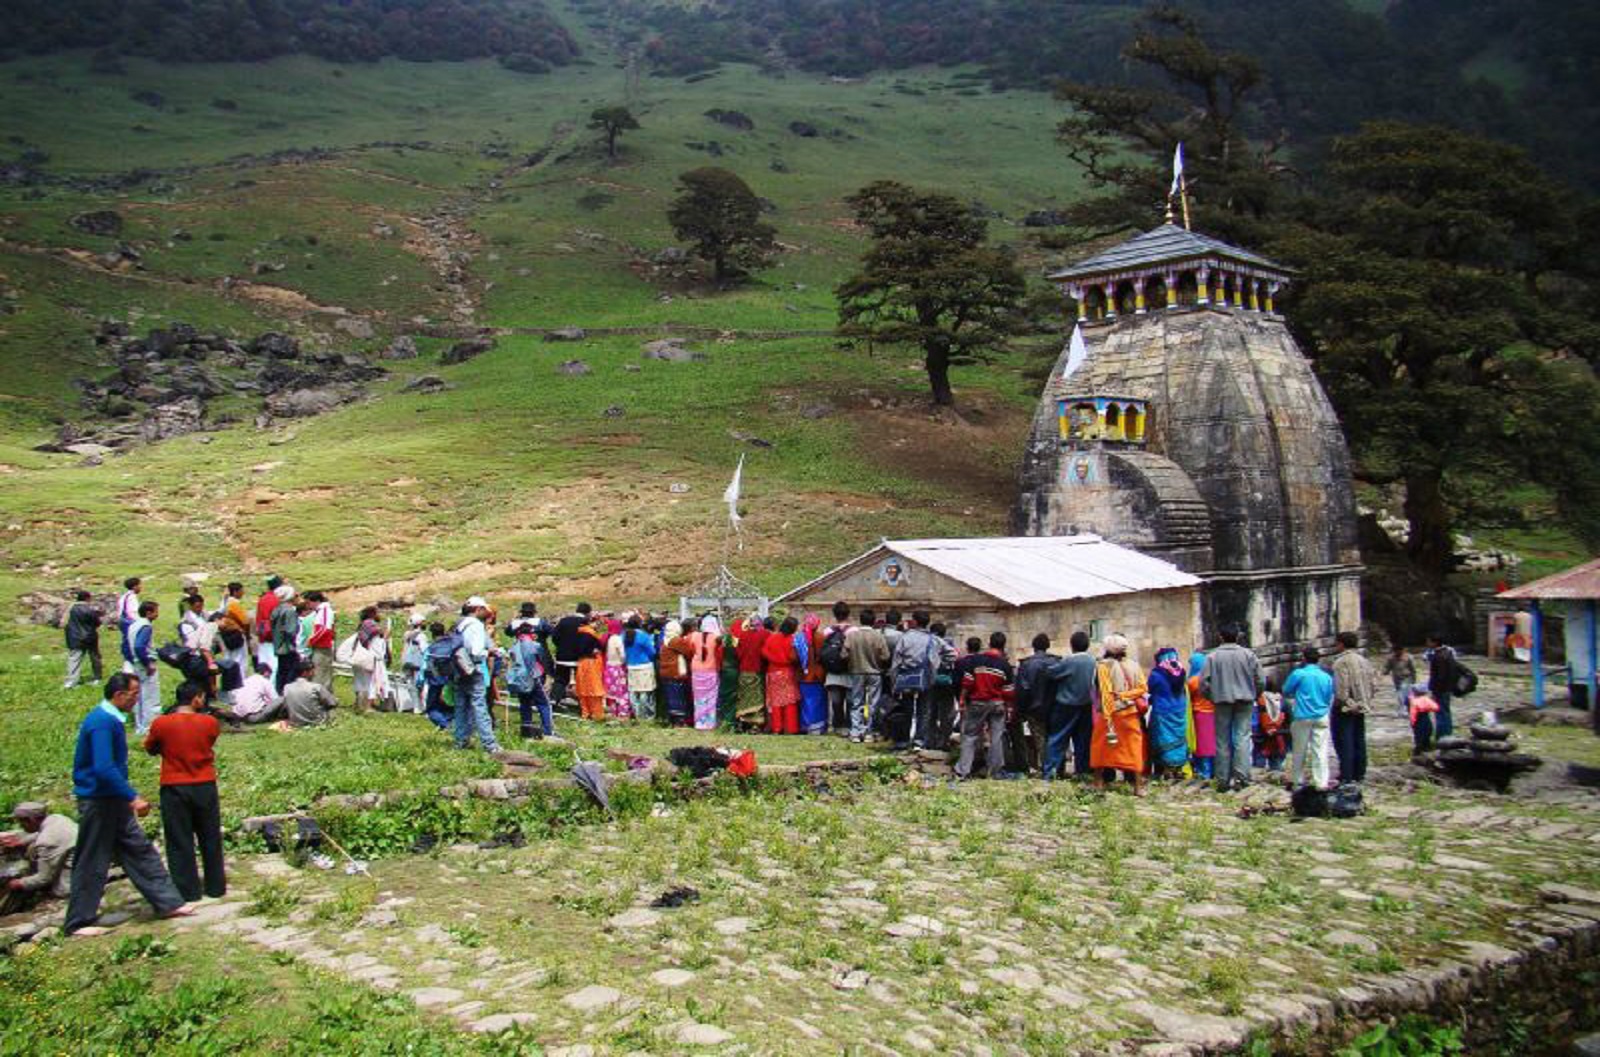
{"x": 45, "y": 841}
{"x": 306, "y": 702}
{"x": 255, "y": 702}
{"x": 108, "y": 812}
{"x": 186, "y": 740}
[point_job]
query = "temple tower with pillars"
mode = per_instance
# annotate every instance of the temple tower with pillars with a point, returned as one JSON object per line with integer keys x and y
{"x": 1190, "y": 426}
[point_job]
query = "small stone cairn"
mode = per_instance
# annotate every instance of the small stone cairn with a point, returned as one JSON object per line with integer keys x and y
{"x": 1487, "y": 760}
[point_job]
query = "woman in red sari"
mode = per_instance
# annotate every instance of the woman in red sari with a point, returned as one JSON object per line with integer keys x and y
{"x": 783, "y": 679}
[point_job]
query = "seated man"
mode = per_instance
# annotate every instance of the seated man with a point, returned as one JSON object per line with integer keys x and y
{"x": 45, "y": 842}
{"x": 307, "y": 703}
{"x": 256, "y": 700}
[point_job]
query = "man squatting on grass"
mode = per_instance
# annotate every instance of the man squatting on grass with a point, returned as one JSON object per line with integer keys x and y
{"x": 108, "y": 813}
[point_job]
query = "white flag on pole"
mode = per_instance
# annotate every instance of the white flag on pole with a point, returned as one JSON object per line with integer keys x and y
{"x": 1077, "y": 352}
{"x": 1177, "y": 171}
{"x": 731, "y": 496}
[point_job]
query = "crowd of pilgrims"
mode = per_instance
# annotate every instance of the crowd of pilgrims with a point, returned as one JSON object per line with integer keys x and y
{"x": 888, "y": 677}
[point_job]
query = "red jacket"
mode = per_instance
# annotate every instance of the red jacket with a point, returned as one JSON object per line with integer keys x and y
{"x": 748, "y": 643}
{"x": 989, "y": 679}
{"x": 264, "y": 607}
{"x": 778, "y": 651}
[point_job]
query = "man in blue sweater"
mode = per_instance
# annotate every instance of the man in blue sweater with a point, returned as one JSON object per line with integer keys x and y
{"x": 107, "y": 806}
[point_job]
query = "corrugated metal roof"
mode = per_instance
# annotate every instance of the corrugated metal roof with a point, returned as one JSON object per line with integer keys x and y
{"x": 1165, "y": 243}
{"x": 1029, "y": 570}
{"x": 1579, "y": 582}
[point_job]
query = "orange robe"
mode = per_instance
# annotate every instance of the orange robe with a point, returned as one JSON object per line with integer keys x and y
{"x": 1122, "y": 697}
{"x": 591, "y": 682}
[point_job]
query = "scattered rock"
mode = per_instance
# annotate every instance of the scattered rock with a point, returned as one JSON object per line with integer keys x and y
{"x": 427, "y": 383}
{"x": 672, "y": 977}
{"x": 574, "y": 367}
{"x": 816, "y": 411}
{"x": 1044, "y": 218}
{"x": 402, "y": 348}
{"x": 300, "y": 403}
{"x": 614, "y": 411}
{"x": 354, "y": 326}
{"x": 804, "y": 129}
{"x": 750, "y": 439}
{"x": 499, "y": 1022}
{"x": 851, "y": 980}
{"x": 566, "y": 334}
{"x": 635, "y": 920}
{"x": 731, "y": 118}
{"x": 462, "y": 351}
{"x": 429, "y": 997}
{"x": 98, "y": 222}
{"x": 703, "y": 1035}
{"x": 915, "y": 925}
{"x": 591, "y": 998}
{"x": 670, "y": 350}
{"x": 731, "y": 926}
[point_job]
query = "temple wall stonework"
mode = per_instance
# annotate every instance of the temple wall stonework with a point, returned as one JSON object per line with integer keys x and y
{"x": 1241, "y": 474}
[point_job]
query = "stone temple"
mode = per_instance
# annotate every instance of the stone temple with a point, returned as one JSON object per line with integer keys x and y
{"x": 1190, "y": 426}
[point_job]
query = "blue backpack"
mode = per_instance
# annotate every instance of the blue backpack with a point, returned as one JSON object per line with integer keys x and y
{"x": 442, "y": 666}
{"x": 526, "y": 670}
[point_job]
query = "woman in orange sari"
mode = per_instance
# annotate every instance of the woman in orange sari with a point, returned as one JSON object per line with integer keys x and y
{"x": 591, "y": 678}
{"x": 1118, "y": 740}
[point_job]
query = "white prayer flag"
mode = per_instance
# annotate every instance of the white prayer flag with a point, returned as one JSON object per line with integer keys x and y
{"x": 1077, "y": 352}
{"x": 1177, "y": 171}
{"x": 731, "y": 496}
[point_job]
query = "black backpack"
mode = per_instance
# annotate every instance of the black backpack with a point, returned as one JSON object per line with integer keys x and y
{"x": 1465, "y": 681}
{"x": 832, "y": 655}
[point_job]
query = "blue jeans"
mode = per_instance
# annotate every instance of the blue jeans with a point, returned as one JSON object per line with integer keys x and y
{"x": 1444, "y": 723}
{"x": 1069, "y": 725}
{"x": 472, "y": 713}
{"x": 527, "y": 702}
{"x": 1233, "y": 740}
{"x": 434, "y": 708}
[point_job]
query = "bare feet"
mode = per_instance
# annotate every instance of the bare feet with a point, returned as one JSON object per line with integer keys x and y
{"x": 185, "y": 911}
{"x": 88, "y": 932}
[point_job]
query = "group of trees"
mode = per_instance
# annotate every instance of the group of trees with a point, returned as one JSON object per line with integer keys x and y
{"x": 1449, "y": 288}
{"x": 523, "y": 31}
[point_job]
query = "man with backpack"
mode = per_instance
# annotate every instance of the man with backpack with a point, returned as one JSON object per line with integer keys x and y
{"x": 1444, "y": 672}
{"x": 835, "y": 659}
{"x": 525, "y": 679}
{"x": 438, "y": 669}
{"x": 913, "y": 663}
{"x": 472, "y": 682}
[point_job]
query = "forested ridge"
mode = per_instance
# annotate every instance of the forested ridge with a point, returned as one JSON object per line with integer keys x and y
{"x": 247, "y": 30}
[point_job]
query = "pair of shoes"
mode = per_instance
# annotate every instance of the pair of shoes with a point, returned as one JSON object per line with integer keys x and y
{"x": 858, "y": 739}
{"x": 902, "y": 746}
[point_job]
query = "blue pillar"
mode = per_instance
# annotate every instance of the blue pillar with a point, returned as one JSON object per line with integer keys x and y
{"x": 1594, "y": 650}
{"x": 1537, "y": 655}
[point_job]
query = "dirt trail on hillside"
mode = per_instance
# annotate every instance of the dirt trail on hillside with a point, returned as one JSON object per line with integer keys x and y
{"x": 445, "y": 237}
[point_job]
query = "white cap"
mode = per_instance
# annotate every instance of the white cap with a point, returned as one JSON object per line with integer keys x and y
{"x": 477, "y": 602}
{"x": 418, "y": 618}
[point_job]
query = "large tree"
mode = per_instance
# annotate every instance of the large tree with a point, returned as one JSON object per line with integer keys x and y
{"x": 929, "y": 280}
{"x": 611, "y": 122}
{"x": 720, "y": 216}
{"x": 1187, "y": 92}
{"x": 1446, "y": 293}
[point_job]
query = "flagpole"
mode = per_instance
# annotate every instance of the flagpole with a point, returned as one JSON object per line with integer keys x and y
{"x": 1183, "y": 197}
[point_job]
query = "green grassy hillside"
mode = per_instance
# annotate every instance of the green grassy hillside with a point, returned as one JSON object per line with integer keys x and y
{"x": 423, "y": 196}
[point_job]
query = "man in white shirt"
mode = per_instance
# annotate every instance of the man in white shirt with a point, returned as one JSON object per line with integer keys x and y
{"x": 472, "y": 690}
{"x": 257, "y": 700}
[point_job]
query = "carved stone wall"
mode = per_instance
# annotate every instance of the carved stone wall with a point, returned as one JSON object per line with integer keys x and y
{"x": 1238, "y": 430}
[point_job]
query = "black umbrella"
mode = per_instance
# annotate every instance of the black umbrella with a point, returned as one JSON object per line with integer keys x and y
{"x": 589, "y": 778}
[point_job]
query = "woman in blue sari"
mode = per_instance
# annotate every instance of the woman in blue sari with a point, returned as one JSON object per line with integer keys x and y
{"x": 1169, "y": 715}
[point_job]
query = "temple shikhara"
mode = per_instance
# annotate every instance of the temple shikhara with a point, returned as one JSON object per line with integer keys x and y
{"x": 1188, "y": 425}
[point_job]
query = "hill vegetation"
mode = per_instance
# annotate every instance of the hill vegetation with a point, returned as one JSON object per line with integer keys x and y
{"x": 348, "y": 31}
